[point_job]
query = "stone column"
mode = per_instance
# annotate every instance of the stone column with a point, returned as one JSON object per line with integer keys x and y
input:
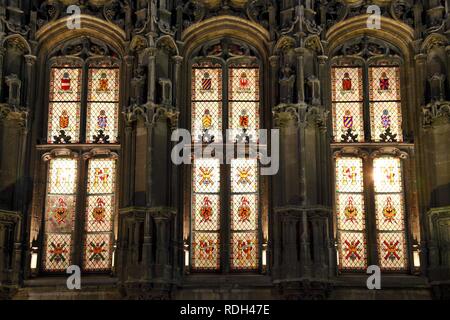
{"x": 274, "y": 75}
{"x": 151, "y": 74}
{"x": 447, "y": 50}
{"x": 300, "y": 74}
{"x": 177, "y": 81}
{"x": 2, "y": 54}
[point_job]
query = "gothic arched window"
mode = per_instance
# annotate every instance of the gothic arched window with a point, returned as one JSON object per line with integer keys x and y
{"x": 368, "y": 135}
{"x": 225, "y": 211}
{"x": 80, "y": 204}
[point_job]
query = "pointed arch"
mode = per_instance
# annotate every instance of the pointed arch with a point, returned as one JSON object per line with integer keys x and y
{"x": 226, "y": 26}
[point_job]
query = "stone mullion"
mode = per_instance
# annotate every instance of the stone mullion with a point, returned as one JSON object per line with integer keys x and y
{"x": 305, "y": 256}
{"x": 288, "y": 263}
{"x": 371, "y": 227}
{"x": 2, "y": 54}
{"x": 300, "y": 74}
{"x": 150, "y": 141}
{"x": 17, "y": 252}
{"x": 425, "y": 184}
{"x": 274, "y": 85}
{"x": 151, "y": 75}
{"x": 161, "y": 223}
{"x": 126, "y": 176}
{"x": 447, "y": 51}
{"x": 147, "y": 246}
{"x": 78, "y": 237}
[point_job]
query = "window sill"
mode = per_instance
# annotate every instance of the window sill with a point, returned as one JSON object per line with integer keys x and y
{"x": 387, "y": 280}
{"x": 226, "y": 280}
{"x": 61, "y": 280}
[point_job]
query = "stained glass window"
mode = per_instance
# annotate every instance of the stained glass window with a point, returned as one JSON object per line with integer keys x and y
{"x": 243, "y": 103}
{"x": 103, "y": 105}
{"x": 206, "y": 214}
{"x": 207, "y": 103}
{"x": 64, "y": 105}
{"x": 60, "y": 214}
{"x": 390, "y": 215}
{"x": 350, "y": 214}
{"x": 385, "y": 104}
{"x": 242, "y": 220}
{"x": 347, "y": 97}
{"x": 244, "y": 214}
{"x": 100, "y": 206}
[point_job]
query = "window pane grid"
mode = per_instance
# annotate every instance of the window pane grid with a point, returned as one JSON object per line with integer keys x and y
{"x": 64, "y": 105}
{"x": 347, "y": 100}
{"x": 385, "y": 104}
{"x": 390, "y": 215}
{"x": 100, "y": 205}
{"x": 350, "y": 214}
{"x": 60, "y": 212}
{"x": 206, "y": 215}
{"x": 103, "y": 105}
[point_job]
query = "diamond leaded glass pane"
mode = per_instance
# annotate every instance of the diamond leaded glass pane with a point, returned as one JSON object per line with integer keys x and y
{"x": 390, "y": 214}
{"x": 206, "y": 251}
{"x": 347, "y": 84}
{"x": 347, "y": 97}
{"x": 100, "y": 206}
{"x": 59, "y": 214}
{"x": 348, "y": 122}
{"x": 349, "y": 175}
{"x": 385, "y": 104}
{"x": 384, "y": 83}
{"x": 243, "y": 84}
{"x": 103, "y": 105}
{"x": 244, "y": 250}
{"x": 207, "y": 84}
{"x": 386, "y": 121}
{"x": 64, "y": 105}
{"x": 350, "y": 214}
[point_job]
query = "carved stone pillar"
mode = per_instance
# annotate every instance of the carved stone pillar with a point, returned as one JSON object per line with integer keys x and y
{"x": 274, "y": 72}
{"x": 177, "y": 81}
{"x": 447, "y": 51}
{"x": 151, "y": 74}
{"x": 300, "y": 74}
{"x": 2, "y": 54}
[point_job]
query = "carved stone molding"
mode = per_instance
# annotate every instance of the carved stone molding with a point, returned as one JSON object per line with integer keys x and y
{"x": 351, "y": 151}
{"x": 100, "y": 153}
{"x": 303, "y": 115}
{"x": 391, "y": 151}
{"x": 12, "y": 113}
{"x": 436, "y": 113}
{"x": 151, "y": 113}
{"x": 304, "y": 289}
{"x": 59, "y": 153}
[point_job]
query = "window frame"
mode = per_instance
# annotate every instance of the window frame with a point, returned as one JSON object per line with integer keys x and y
{"x": 225, "y": 231}
{"x": 83, "y": 152}
{"x": 84, "y": 65}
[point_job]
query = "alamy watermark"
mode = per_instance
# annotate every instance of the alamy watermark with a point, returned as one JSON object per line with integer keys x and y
{"x": 184, "y": 151}
{"x": 74, "y": 21}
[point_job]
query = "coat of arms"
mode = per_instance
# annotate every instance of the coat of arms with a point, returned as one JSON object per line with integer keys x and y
{"x": 64, "y": 119}
{"x": 102, "y": 120}
{"x": 346, "y": 82}
{"x": 348, "y": 120}
{"x": 206, "y": 82}
{"x": 384, "y": 82}
{"x": 66, "y": 82}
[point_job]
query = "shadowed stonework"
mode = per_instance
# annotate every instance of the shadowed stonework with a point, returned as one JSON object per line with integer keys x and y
{"x": 88, "y": 105}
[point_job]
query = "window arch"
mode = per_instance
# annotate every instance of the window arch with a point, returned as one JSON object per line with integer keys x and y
{"x": 82, "y": 135}
{"x": 225, "y": 211}
{"x": 368, "y": 134}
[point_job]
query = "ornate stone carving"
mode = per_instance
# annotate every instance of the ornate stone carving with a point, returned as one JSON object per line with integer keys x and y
{"x": 12, "y": 113}
{"x": 436, "y": 113}
{"x": 302, "y": 115}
